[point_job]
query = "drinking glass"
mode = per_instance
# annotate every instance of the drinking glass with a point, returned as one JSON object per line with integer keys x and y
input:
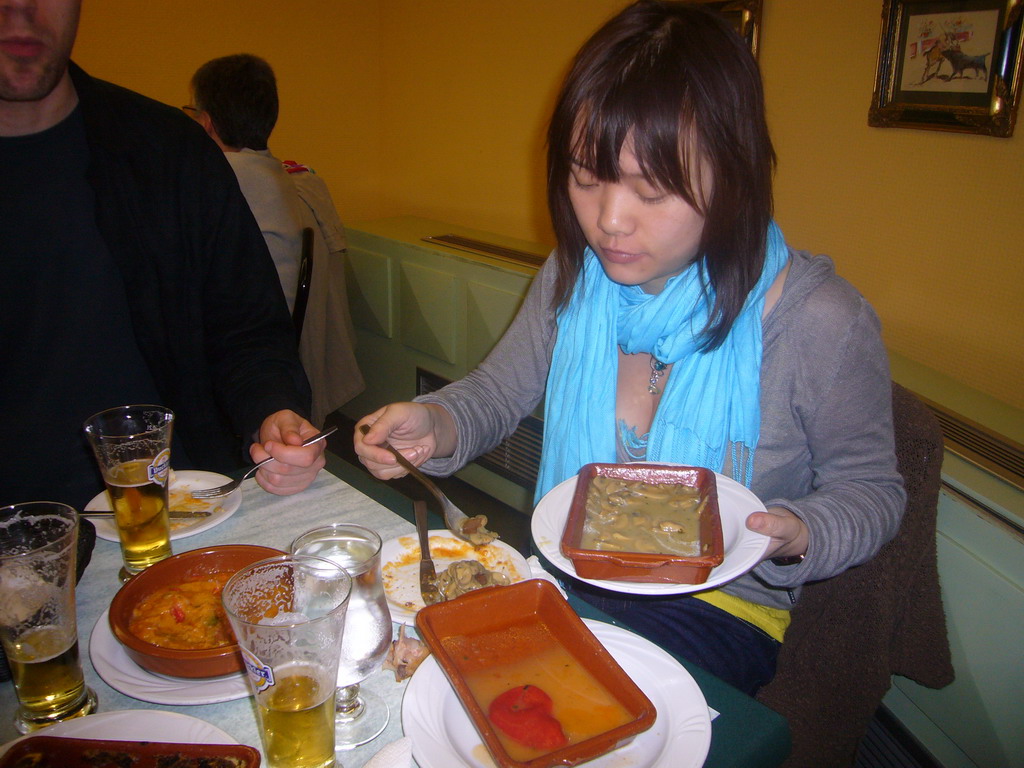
{"x": 288, "y": 615}
{"x": 360, "y": 715}
{"x": 39, "y": 544}
{"x": 132, "y": 444}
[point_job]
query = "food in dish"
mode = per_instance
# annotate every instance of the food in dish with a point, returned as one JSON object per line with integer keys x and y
{"x": 524, "y": 714}
{"x": 181, "y": 500}
{"x": 198, "y": 514}
{"x": 443, "y": 734}
{"x": 400, "y": 558}
{"x": 573, "y": 706}
{"x": 658, "y": 483}
{"x": 194, "y": 565}
{"x": 743, "y": 548}
{"x": 639, "y": 516}
{"x": 112, "y": 663}
{"x": 58, "y": 752}
{"x": 464, "y": 576}
{"x": 493, "y": 640}
{"x": 186, "y": 615}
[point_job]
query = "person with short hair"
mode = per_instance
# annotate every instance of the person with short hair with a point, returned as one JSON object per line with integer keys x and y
{"x": 674, "y": 324}
{"x": 235, "y": 100}
{"x": 133, "y": 273}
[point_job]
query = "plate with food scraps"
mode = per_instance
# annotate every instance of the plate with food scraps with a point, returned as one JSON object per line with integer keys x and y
{"x": 443, "y": 736}
{"x": 400, "y": 565}
{"x": 743, "y": 548}
{"x": 183, "y": 482}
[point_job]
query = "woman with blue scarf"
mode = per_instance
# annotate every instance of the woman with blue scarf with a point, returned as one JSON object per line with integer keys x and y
{"x": 673, "y": 323}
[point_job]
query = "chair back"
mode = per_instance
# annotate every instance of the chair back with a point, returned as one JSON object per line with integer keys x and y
{"x": 851, "y": 633}
{"x": 305, "y": 278}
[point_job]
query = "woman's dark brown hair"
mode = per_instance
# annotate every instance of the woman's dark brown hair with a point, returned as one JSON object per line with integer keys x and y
{"x": 680, "y": 81}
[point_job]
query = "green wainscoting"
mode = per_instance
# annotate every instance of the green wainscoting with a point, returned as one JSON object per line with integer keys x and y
{"x": 425, "y": 305}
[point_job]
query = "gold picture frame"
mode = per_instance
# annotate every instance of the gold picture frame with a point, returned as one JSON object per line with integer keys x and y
{"x": 745, "y": 17}
{"x": 949, "y": 65}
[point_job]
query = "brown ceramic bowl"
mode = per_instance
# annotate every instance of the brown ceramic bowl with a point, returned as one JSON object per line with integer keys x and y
{"x": 188, "y": 566}
{"x": 643, "y": 566}
{"x": 497, "y": 637}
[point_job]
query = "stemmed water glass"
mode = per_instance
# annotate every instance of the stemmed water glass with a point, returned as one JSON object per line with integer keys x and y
{"x": 360, "y": 715}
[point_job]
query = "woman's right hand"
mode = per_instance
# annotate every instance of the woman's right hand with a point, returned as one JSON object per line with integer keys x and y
{"x": 418, "y": 430}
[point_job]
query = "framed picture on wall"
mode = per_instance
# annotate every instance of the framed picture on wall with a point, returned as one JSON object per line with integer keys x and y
{"x": 744, "y": 15}
{"x": 949, "y": 65}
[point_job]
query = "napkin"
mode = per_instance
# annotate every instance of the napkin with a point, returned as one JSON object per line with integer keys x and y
{"x": 397, "y": 754}
{"x": 537, "y": 572}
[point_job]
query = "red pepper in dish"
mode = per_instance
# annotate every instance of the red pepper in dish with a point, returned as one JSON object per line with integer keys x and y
{"x": 524, "y": 714}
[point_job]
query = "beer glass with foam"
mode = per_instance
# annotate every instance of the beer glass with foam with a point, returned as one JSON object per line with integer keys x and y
{"x": 132, "y": 444}
{"x": 38, "y": 549}
{"x": 288, "y": 614}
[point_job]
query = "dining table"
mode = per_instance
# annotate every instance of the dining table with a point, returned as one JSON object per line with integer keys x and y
{"x": 744, "y": 732}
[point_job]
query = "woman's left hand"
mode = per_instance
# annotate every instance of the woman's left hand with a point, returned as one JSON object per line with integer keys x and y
{"x": 788, "y": 533}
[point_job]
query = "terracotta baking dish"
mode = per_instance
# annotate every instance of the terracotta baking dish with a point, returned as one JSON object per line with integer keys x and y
{"x": 642, "y": 566}
{"x": 57, "y": 752}
{"x": 482, "y": 634}
{"x": 187, "y": 566}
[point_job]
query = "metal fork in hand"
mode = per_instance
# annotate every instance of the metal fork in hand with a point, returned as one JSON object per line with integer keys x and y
{"x": 224, "y": 490}
{"x": 471, "y": 529}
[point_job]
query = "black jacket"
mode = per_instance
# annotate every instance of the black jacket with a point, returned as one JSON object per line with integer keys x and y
{"x": 207, "y": 307}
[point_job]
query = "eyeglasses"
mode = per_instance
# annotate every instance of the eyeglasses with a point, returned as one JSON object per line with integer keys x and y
{"x": 189, "y": 109}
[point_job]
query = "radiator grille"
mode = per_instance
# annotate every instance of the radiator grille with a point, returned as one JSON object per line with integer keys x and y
{"x": 979, "y": 445}
{"x": 487, "y": 249}
{"x": 517, "y": 457}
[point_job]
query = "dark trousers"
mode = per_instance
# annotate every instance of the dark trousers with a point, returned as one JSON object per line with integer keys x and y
{"x": 732, "y": 649}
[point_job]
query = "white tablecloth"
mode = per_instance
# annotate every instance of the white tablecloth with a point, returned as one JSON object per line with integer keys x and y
{"x": 265, "y": 519}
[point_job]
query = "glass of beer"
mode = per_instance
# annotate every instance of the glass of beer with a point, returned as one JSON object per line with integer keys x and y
{"x": 38, "y": 548}
{"x": 288, "y": 614}
{"x": 132, "y": 444}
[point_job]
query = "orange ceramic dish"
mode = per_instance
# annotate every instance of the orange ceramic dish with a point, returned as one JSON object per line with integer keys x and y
{"x": 654, "y": 567}
{"x": 539, "y": 687}
{"x": 197, "y": 565}
{"x": 187, "y": 615}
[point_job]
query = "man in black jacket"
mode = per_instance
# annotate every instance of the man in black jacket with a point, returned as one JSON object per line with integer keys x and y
{"x": 131, "y": 271}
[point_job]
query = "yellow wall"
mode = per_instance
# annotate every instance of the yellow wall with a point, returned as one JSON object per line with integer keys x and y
{"x": 437, "y": 109}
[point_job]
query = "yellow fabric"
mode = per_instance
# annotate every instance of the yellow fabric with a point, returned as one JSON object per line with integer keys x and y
{"x": 773, "y": 621}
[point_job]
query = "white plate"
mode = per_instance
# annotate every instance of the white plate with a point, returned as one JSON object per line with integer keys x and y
{"x": 400, "y": 564}
{"x": 115, "y": 666}
{"x": 183, "y": 483}
{"x": 743, "y": 548}
{"x": 136, "y": 725}
{"x": 443, "y": 736}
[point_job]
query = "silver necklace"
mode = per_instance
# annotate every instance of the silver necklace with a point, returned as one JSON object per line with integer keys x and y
{"x": 657, "y": 371}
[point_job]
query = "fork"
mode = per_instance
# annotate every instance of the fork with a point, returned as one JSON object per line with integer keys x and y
{"x": 467, "y": 528}
{"x": 224, "y": 490}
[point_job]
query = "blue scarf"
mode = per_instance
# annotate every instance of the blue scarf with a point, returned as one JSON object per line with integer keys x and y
{"x": 711, "y": 403}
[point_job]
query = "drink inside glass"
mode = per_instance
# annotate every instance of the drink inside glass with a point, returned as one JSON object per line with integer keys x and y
{"x": 132, "y": 444}
{"x": 360, "y": 715}
{"x": 37, "y": 615}
{"x": 288, "y": 614}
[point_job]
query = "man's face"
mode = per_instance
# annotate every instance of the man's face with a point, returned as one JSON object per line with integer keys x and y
{"x": 36, "y": 37}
